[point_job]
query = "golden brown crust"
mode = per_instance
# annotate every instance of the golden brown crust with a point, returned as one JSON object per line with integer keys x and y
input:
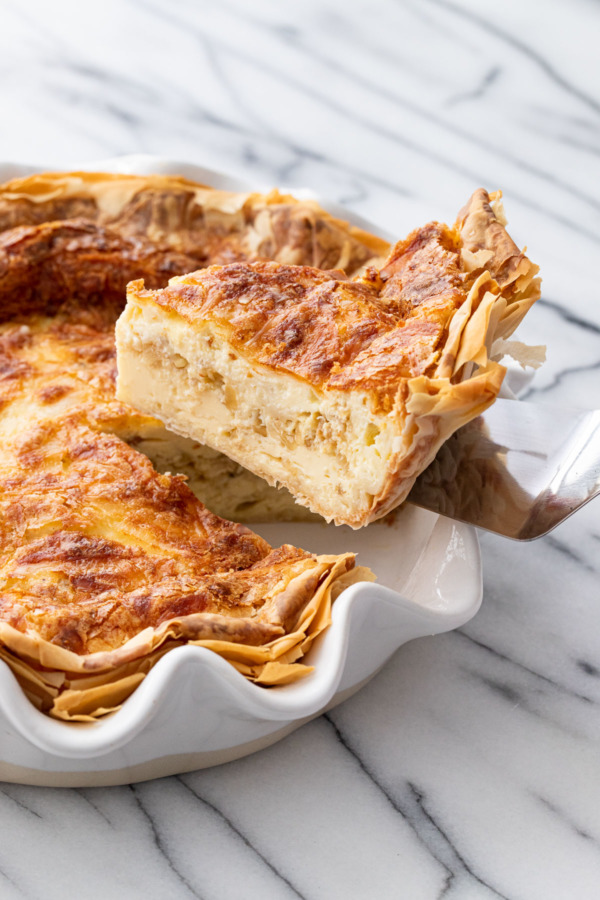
{"x": 78, "y": 573}
{"x": 81, "y": 687}
{"x": 75, "y": 261}
{"x": 97, "y": 549}
{"x": 371, "y": 333}
{"x": 365, "y": 333}
{"x": 212, "y": 226}
{"x": 96, "y": 545}
{"x": 481, "y": 229}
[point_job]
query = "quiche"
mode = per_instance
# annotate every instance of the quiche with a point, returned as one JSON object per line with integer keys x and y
{"x": 107, "y": 563}
{"x": 340, "y": 388}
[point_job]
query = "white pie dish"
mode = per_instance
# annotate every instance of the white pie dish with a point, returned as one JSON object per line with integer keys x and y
{"x": 193, "y": 709}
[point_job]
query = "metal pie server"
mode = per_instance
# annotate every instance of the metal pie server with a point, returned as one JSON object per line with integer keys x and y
{"x": 519, "y": 470}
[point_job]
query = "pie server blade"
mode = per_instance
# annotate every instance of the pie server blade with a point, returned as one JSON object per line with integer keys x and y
{"x": 519, "y": 470}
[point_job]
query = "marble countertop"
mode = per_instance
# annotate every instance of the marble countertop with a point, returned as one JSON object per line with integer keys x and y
{"x": 470, "y": 767}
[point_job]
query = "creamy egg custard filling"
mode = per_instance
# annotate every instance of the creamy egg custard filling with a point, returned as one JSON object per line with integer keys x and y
{"x": 280, "y": 427}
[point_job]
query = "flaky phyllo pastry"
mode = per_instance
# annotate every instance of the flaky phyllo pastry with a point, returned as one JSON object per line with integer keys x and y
{"x": 106, "y": 563}
{"x": 342, "y": 389}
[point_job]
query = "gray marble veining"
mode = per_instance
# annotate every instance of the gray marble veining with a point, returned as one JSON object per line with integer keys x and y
{"x": 470, "y": 767}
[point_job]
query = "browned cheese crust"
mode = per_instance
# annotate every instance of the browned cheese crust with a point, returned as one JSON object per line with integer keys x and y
{"x": 96, "y": 547}
{"x": 324, "y": 328}
{"x": 45, "y": 267}
{"x": 211, "y": 226}
{"x": 95, "y": 544}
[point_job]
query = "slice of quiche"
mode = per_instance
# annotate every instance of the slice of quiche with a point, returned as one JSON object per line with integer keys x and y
{"x": 341, "y": 390}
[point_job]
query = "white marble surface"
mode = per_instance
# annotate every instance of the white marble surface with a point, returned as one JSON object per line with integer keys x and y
{"x": 470, "y": 767}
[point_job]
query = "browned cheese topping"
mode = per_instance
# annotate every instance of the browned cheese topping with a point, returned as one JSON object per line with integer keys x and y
{"x": 370, "y": 332}
{"x": 384, "y": 325}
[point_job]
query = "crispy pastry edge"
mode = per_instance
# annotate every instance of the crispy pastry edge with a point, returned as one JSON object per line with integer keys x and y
{"x": 79, "y": 688}
{"x": 103, "y": 188}
{"x": 494, "y": 307}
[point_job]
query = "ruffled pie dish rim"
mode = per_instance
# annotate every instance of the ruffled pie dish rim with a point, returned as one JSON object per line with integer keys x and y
{"x": 280, "y": 705}
{"x": 369, "y": 623}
